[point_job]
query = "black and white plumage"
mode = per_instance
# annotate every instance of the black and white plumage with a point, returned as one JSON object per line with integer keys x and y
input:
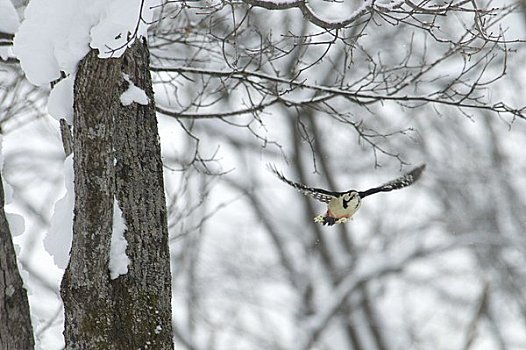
{"x": 341, "y": 206}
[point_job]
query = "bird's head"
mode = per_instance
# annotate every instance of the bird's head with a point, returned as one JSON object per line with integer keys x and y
{"x": 350, "y": 198}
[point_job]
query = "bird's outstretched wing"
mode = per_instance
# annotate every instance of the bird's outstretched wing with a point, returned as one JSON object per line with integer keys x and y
{"x": 318, "y": 193}
{"x": 403, "y": 181}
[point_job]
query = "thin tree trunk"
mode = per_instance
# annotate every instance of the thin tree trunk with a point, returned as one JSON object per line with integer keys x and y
{"x": 16, "y": 331}
{"x": 117, "y": 156}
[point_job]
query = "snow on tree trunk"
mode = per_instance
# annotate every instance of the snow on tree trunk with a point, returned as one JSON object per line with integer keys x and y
{"x": 15, "y": 323}
{"x": 117, "y": 156}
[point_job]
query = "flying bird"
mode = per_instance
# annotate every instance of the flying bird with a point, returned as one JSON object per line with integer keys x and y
{"x": 341, "y": 206}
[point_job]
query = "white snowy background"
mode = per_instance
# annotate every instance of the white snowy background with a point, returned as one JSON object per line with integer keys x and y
{"x": 232, "y": 289}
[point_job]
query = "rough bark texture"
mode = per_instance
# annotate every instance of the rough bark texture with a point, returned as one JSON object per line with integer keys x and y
{"x": 117, "y": 153}
{"x": 15, "y": 323}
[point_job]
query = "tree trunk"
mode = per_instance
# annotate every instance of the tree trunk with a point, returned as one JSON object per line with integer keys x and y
{"x": 117, "y": 156}
{"x": 15, "y": 323}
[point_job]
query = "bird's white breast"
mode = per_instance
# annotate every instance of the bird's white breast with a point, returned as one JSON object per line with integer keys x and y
{"x": 337, "y": 210}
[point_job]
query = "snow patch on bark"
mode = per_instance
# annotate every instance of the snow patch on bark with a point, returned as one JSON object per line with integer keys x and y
{"x": 133, "y": 94}
{"x": 119, "y": 261}
{"x": 60, "y": 102}
{"x": 58, "y": 239}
